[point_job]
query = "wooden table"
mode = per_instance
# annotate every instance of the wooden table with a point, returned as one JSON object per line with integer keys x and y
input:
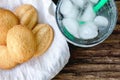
{"x": 101, "y": 62}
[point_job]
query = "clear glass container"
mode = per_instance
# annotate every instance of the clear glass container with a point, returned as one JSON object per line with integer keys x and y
{"x": 109, "y": 11}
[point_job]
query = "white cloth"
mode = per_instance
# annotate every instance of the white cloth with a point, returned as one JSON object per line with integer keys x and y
{"x": 44, "y": 67}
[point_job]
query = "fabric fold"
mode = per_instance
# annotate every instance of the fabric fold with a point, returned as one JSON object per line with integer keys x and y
{"x": 44, "y": 67}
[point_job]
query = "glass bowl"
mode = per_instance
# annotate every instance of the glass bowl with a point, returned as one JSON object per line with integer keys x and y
{"x": 109, "y": 11}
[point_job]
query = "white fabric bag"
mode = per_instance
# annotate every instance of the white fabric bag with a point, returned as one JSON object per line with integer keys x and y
{"x": 44, "y": 67}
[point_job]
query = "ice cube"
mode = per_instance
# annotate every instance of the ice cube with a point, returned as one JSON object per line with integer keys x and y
{"x": 88, "y": 14}
{"x": 94, "y": 1}
{"x": 79, "y": 3}
{"x": 88, "y": 31}
{"x": 72, "y": 26}
{"x": 102, "y": 22}
{"x": 67, "y": 9}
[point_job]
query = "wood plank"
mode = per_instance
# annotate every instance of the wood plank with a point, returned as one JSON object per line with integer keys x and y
{"x": 103, "y": 74}
{"x": 117, "y": 29}
{"x": 96, "y": 53}
{"x": 92, "y": 68}
{"x": 90, "y": 76}
{"x": 118, "y": 8}
{"x": 95, "y": 60}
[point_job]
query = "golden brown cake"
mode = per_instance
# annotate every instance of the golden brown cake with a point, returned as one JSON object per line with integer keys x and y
{"x": 7, "y": 21}
{"x": 44, "y": 37}
{"x": 27, "y": 14}
{"x": 6, "y": 62}
{"x": 21, "y": 43}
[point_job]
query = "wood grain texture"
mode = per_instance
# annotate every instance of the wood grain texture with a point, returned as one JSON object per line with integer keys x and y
{"x": 118, "y": 8}
{"x": 101, "y": 62}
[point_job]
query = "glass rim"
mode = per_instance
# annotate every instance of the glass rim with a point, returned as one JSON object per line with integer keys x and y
{"x": 109, "y": 32}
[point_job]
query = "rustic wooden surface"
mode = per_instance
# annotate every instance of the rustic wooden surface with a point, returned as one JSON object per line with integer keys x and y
{"x": 101, "y": 62}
